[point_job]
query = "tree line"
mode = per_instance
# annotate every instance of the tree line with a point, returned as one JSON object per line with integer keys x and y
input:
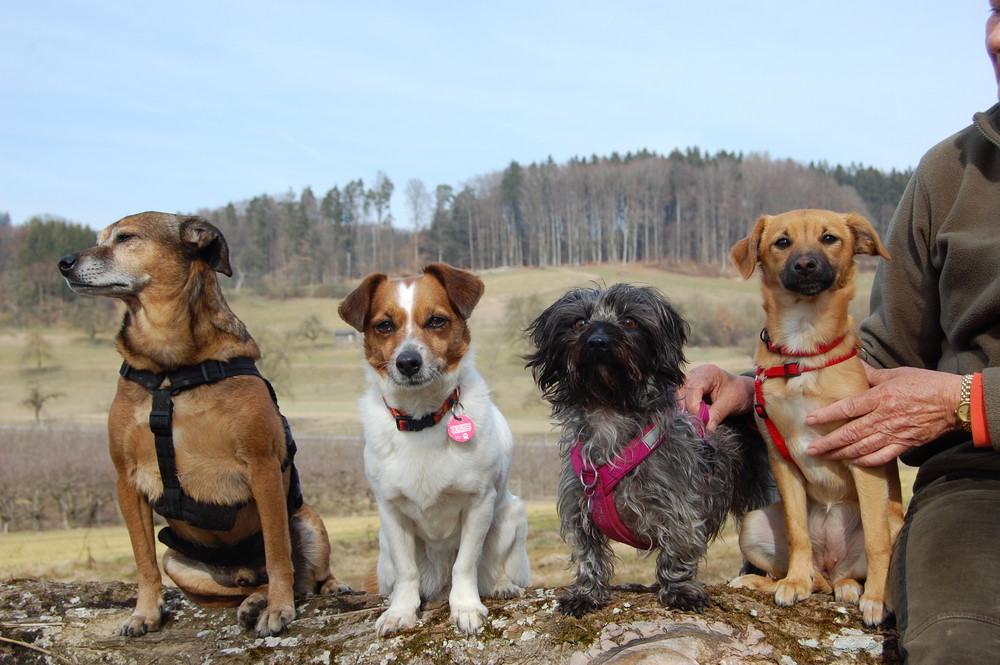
{"x": 685, "y": 207}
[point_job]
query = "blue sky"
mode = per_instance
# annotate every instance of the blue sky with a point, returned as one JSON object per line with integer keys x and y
{"x": 110, "y": 108}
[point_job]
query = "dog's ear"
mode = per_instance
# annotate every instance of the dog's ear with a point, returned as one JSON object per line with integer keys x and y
{"x": 354, "y": 308}
{"x": 744, "y": 254}
{"x": 207, "y": 242}
{"x": 464, "y": 289}
{"x": 866, "y": 240}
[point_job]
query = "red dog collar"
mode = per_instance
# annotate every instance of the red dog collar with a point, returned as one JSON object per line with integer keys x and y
{"x": 407, "y": 423}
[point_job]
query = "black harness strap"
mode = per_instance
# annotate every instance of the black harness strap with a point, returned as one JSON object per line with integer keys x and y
{"x": 174, "y": 503}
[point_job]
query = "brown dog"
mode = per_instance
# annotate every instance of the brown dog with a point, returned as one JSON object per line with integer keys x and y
{"x": 836, "y": 522}
{"x": 195, "y": 432}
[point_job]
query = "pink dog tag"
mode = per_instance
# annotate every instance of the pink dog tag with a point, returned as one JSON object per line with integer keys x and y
{"x": 461, "y": 429}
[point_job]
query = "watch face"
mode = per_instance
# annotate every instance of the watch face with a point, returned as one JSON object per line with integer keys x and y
{"x": 964, "y": 412}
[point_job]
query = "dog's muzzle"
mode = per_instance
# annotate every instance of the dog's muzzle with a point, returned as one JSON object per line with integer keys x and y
{"x": 808, "y": 274}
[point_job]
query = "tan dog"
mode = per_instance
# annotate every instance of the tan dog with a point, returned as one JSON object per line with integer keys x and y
{"x": 224, "y": 478}
{"x": 437, "y": 451}
{"x": 836, "y": 522}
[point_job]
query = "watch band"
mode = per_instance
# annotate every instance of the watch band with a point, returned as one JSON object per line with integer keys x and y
{"x": 964, "y": 410}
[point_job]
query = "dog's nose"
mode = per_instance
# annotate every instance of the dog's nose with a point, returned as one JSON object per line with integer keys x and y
{"x": 805, "y": 265}
{"x": 409, "y": 362}
{"x": 66, "y": 263}
{"x": 598, "y": 342}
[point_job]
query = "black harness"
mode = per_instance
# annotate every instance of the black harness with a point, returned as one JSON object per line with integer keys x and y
{"x": 174, "y": 503}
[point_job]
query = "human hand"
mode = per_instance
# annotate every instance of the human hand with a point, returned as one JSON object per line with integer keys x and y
{"x": 726, "y": 394}
{"x": 905, "y": 407}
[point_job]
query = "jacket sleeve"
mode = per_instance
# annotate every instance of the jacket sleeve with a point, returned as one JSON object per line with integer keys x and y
{"x": 903, "y": 328}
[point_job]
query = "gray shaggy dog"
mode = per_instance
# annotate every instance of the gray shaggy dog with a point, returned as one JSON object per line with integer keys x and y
{"x": 609, "y": 362}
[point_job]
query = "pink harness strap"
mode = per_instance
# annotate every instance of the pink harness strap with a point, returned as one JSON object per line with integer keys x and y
{"x": 599, "y": 482}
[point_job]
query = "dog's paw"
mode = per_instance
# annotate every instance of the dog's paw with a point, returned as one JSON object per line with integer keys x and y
{"x": 395, "y": 621}
{"x": 250, "y": 609}
{"x": 275, "y": 619}
{"x": 686, "y": 596}
{"x": 578, "y": 604}
{"x": 754, "y": 583}
{"x": 140, "y": 624}
{"x": 469, "y": 618}
{"x": 506, "y": 591}
{"x": 787, "y": 592}
{"x": 873, "y": 610}
{"x": 847, "y": 591}
{"x": 332, "y": 585}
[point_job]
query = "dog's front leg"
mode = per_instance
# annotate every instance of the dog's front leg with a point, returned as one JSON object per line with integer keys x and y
{"x": 467, "y": 609}
{"x": 799, "y": 581}
{"x": 591, "y": 552}
{"x": 677, "y": 568}
{"x": 275, "y": 611}
{"x": 877, "y": 503}
{"x": 398, "y": 542}
{"x": 138, "y": 518}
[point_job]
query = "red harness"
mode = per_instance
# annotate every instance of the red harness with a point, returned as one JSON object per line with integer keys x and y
{"x": 599, "y": 482}
{"x": 788, "y": 371}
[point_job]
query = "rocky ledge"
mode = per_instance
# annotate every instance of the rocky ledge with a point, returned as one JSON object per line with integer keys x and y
{"x": 77, "y": 623}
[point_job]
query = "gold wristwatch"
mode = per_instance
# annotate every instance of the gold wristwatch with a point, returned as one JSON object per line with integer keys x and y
{"x": 964, "y": 410}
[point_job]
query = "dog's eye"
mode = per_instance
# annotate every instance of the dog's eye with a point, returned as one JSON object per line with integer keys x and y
{"x": 782, "y": 243}
{"x": 828, "y": 239}
{"x": 385, "y": 327}
{"x": 629, "y": 323}
{"x": 437, "y": 322}
{"x": 579, "y": 324}
{"x": 123, "y": 238}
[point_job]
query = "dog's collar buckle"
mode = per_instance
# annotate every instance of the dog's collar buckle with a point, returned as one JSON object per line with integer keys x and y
{"x": 791, "y": 370}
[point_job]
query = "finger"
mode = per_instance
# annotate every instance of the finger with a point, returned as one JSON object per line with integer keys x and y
{"x": 876, "y": 376}
{"x": 881, "y": 456}
{"x": 842, "y": 443}
{"x": 845, "y": 409}
{"x": 690, "y": 397}
{"x": 714, "y": 417}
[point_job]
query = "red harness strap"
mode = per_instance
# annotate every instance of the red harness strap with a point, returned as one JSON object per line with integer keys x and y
{"x": 787, "y": 371}
{"x": 599, "y": 482}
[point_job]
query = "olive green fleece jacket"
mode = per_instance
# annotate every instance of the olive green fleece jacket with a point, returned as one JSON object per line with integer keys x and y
{"x": 936, "y": 305}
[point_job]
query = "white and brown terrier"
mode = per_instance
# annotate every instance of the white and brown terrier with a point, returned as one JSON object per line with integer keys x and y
{"x": 437, "y": 451}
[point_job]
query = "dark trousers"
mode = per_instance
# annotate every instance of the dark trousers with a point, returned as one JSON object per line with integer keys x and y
{"x": 946, "y": 567}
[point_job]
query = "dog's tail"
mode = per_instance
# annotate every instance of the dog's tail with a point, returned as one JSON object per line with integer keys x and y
{"x": 753, "y": 482}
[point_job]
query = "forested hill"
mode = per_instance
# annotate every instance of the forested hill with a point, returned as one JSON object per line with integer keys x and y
{"x": 642, "y": 207}
{"x": 688, "y": 206}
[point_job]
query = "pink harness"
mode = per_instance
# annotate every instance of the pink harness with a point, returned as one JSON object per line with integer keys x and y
{"x": 599, "y": 482}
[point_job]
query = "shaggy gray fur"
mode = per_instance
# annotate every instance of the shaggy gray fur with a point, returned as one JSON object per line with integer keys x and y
{"x": 609, "y": 362}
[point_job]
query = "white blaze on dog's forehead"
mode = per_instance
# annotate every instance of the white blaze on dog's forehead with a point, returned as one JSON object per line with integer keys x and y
{"x": 406, "y": 297}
